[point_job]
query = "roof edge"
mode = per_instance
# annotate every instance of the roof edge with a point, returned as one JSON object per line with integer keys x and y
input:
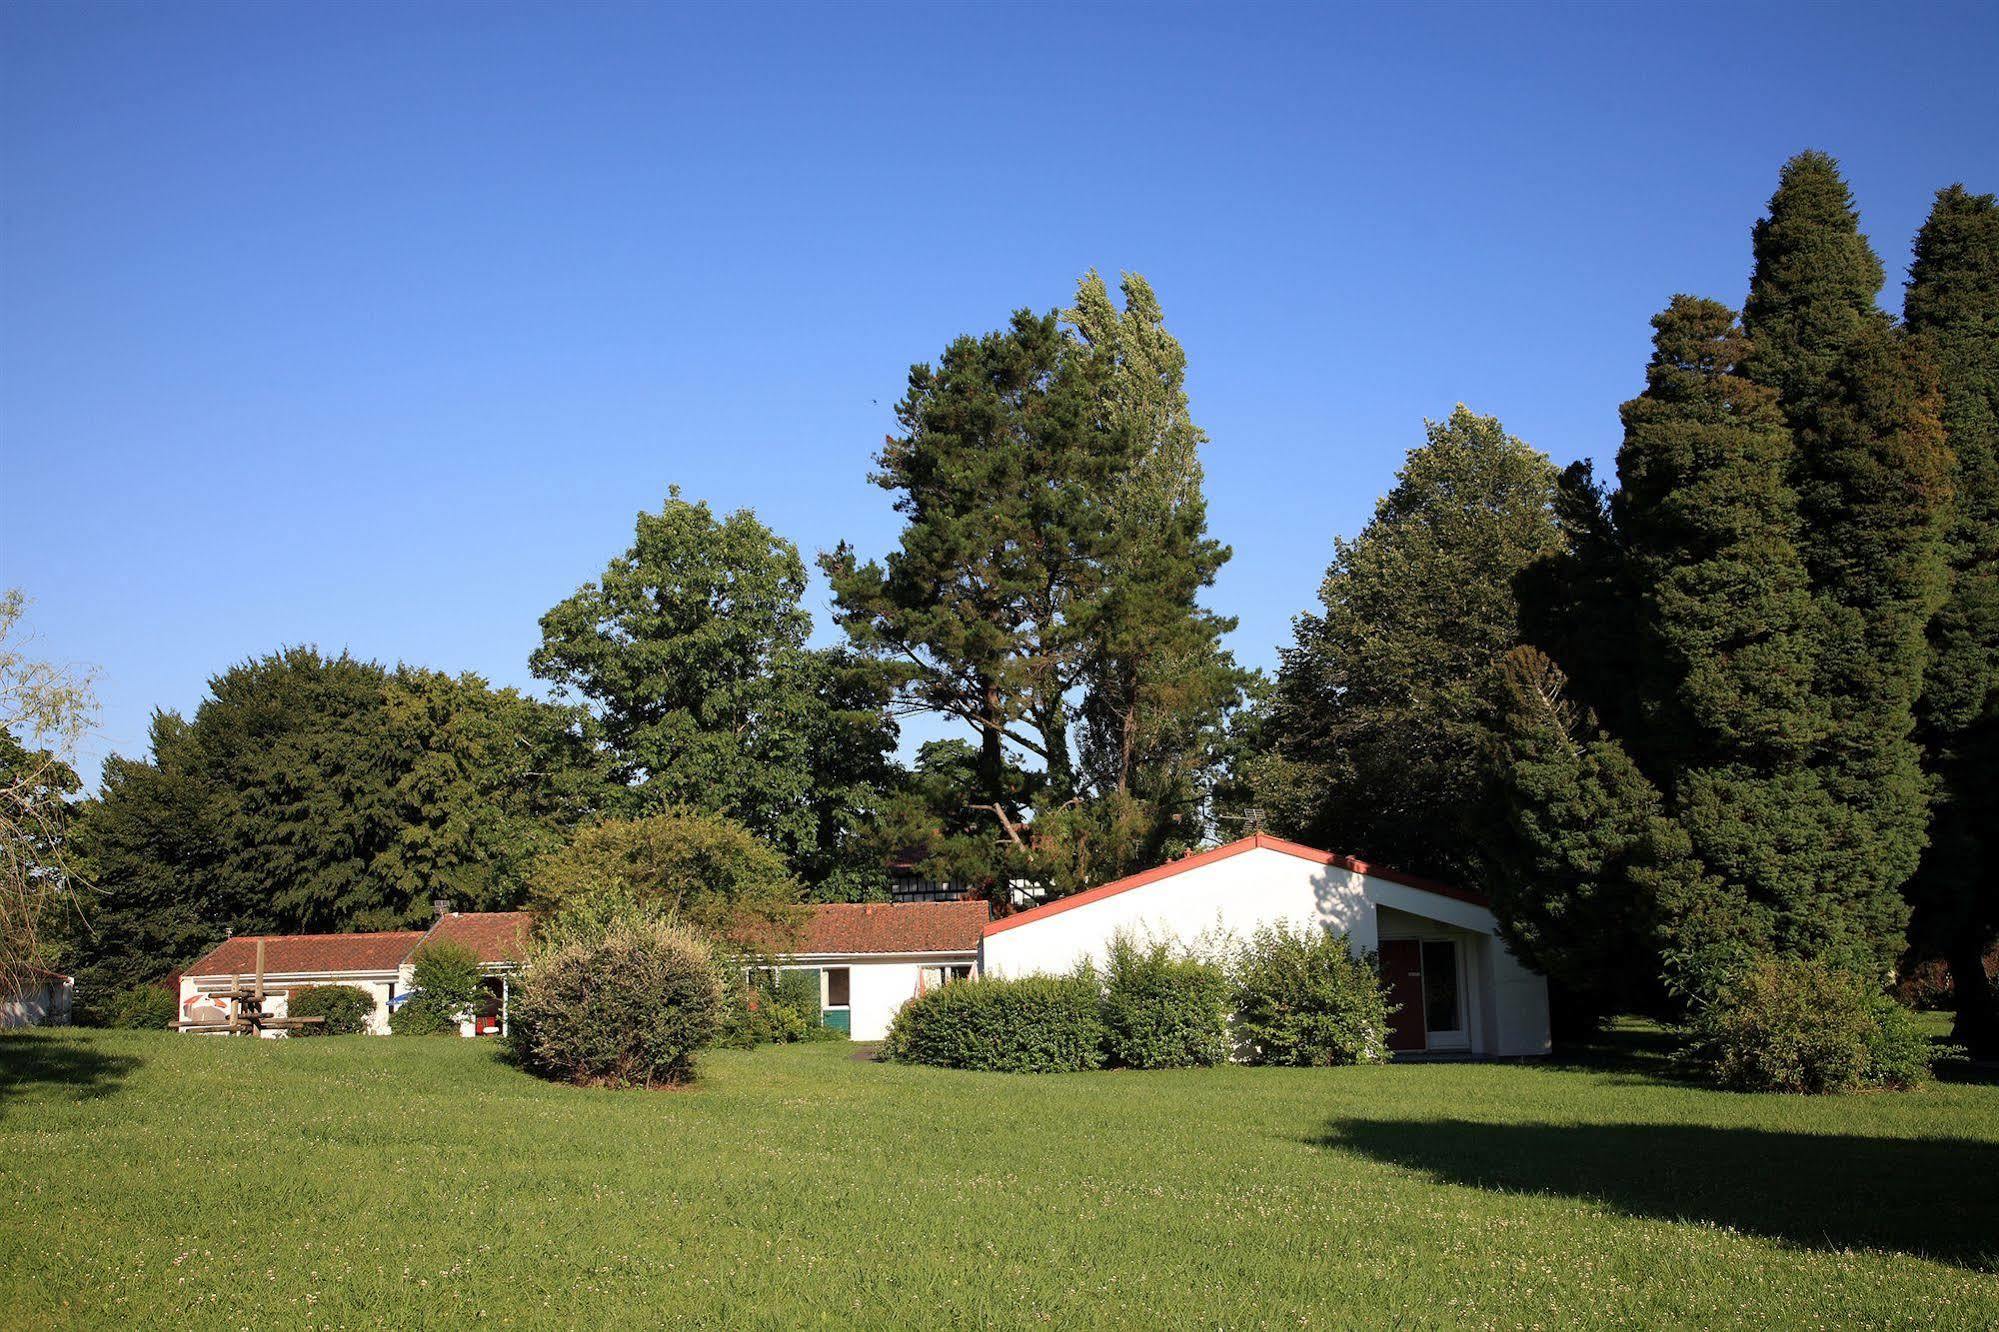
{"x": 1254, "y": 842}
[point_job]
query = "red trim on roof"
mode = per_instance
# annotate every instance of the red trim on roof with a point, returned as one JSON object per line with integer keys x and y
{"x": 1255, "y": 841}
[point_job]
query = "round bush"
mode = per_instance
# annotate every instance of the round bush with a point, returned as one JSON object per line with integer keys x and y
{"x": 346, "y": 1009}
{"x": 1784, "y": 1025}
{"x": 627, "y": 1008}
{"x": 1162, "y": 1011}
{"x": 448, "y": 977}
{"x": 1036, "y": 1024}
{"x": 1304, "y": 999}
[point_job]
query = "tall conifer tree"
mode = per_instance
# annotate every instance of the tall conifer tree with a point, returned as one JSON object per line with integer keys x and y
{"x": 1870, "y": 467}
{"x": 1951, "y": 312}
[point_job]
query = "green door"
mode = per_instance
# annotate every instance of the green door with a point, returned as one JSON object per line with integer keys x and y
{"x": 839, "y": 1019}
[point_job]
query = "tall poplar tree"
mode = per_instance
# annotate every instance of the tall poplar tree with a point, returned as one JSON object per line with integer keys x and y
{"x": 1871, "y": 470}
{"x": 1951, "y": 313}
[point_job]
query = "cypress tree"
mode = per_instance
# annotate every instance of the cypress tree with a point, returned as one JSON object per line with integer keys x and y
{"x": 1871, "y": 471}
{"x": 1951, "y": 313}
{"x": 1730, "y": 714}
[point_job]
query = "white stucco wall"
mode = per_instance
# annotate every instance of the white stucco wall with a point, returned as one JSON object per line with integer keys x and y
{"x": 41, "y": 1002}
{"x": 878, "y": 986}
{"x": 1234, "y": 896}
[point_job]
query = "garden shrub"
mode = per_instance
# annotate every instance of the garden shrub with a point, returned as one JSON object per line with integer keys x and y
{"x": 420, "y": 1015}
{"x": 772, "y": 1008}
{"x": 1036, "y": 1024}
{"x": 448, "y": 977}
{"x": 1786, "y": 1025}
{"x": 142, "y": 1007}
{"x": 346, "y": 1009}
{"x": 1161, "y": 1010}
{"x": 1304, "y": 998}
{"x": 628, "y": 1008}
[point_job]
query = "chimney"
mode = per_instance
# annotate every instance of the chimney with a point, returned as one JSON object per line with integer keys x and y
{"x": 442, "y": 905}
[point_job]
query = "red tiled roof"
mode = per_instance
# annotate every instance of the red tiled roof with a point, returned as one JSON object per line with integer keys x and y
{"x": 894, "y": 927}
{"x": 1254, "y": 841}
{"x": 493, "y": 936}
{"x": 384, "y": 951}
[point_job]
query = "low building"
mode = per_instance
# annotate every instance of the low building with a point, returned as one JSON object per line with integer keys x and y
{"x": 36, "y": 998}
{"x": 873, "y": 957}
{"x": 499, "y": 939}
{"x": 1458, "y": 987}
{"x": 369, "y": 962}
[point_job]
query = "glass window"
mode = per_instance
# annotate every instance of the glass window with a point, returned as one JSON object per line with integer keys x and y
{"x": 838, "y": 987}
{"x": 1440, "y": 985}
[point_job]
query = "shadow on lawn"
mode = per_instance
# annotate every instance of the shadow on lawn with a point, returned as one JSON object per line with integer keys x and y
{"x": 31, "y": 1062}
{"x": 1932, "y": 1198}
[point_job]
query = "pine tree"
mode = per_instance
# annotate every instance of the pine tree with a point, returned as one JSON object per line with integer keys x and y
{"x": 1870, "y": 468}
{"x": 1951, "y": 313}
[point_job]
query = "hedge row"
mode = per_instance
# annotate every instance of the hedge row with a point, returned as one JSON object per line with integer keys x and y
{"x": 1287, "y": 997}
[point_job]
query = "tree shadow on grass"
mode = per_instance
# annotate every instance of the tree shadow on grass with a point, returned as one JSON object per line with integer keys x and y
{"x": 1932, "y": 1198}
{"x": 35, "y": 1061}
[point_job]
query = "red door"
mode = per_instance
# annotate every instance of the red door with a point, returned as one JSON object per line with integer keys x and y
{"x": 1402, "y": 973}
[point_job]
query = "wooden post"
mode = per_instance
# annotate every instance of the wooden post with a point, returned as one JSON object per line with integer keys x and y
{"x": 260, "y": 975}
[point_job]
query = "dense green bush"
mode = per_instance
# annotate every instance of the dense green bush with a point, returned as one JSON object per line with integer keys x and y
{"x": 772, "y": 1007}
{"x": 628, "y": 1008}
{"x": 1797, "y": 1026}
{"x": 1036, "y": 1024}
{"x": 1304, "y": 998}
{"x": 420, "y": 1015}
{"x": 143, "y": 1007}
{"x": 346, "y": 1009}
{"x": 449, "y": 977}
{"x": 1161, "y": 1010}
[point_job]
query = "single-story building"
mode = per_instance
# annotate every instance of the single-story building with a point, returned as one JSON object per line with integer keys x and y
{"x": 873, "y": 957}
{"x": 1460, "y": 990}
{"x": 36, "y": 998}
{"x": 378, "y": 963}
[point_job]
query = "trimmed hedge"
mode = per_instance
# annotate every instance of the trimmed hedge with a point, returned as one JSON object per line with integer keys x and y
{"x": 346, "y": 1009}
{"x": 1304, "y": 999}
{"x": 1796, "y": 1026}
{"x": 628, "y": 1008}
{"x": 1163, "y": 1011}
{"x": 1035, "y": 1024}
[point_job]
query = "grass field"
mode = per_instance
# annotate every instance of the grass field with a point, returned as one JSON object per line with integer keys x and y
{"x": 153, "y": 1180}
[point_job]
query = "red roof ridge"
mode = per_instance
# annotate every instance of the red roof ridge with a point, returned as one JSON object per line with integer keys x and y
{"x": 1253, "y": 842}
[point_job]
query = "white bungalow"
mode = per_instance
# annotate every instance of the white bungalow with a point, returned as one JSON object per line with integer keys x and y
{"x": 874, "y": 957}
{"x": 1458, "y": 987}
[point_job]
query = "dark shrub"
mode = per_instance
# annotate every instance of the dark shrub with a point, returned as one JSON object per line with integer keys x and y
{"x": 143, "y": 1007}
{"x": 1303, "y": 998}
{"x": 420, "y": 1015}
{"x": 1163, "y": 1011}
{"x": 1794, "y": 1026}
{"x": 773, "y": 1007}
{"x": 1037, "y": 1024}
{"x": 346, "y": 1009}
{"x": 627, "y": 1008}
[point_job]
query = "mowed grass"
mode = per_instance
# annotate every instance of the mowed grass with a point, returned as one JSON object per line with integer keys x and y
{"x": 153, "y": 1180}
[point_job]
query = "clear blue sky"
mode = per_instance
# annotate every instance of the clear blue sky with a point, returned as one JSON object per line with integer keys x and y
{"x": 373, "y": 326}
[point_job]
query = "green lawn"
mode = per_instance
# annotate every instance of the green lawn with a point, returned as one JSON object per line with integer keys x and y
{"x": 153, "y": 1180}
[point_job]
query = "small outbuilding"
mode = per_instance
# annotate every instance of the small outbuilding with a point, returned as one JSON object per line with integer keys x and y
{"x": 1458, "y": 987}
{"x": 368, "y": 962}
{"x": 36, "y": 998}
{"x": 874, "y": 957}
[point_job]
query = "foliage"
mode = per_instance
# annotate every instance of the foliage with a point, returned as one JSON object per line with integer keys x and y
{"x": 772, "y": 1007}
{"x": 346, "y": 1009}
{"x": 1162, "y": 1010}
{"x": 45, "y": 711}
{"x": 311, "y": 793}
{"x": 691, "y": 651}
{"x": 1382, "y": 701}
{"x": 448, "y": 975}
{"x": 1582, "y": 855}
{"x": 1032, "y": 1024}
{"x": 422, "y": 1015}
{"x": 702, "y": 871}
{"x": 1952, "y": 315}
{"x": 137, "y": 1007}
{"x": 1872, "y": 473}
{"x": 1799, "y": 1025}
{"x": 1045, "y": 586}
{"x": 628, "y": 1008}
{"x": 1304, "y": 998}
